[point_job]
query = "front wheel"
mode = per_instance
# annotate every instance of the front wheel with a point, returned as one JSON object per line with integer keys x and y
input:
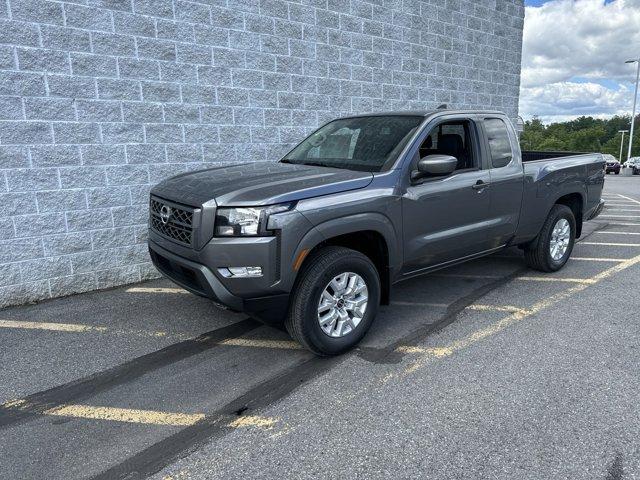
{"x": 552, "y": 247}
{"x": 335, "y": 301}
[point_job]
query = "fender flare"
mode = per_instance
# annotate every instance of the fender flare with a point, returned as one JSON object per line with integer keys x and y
{"x": 368, "y": 221}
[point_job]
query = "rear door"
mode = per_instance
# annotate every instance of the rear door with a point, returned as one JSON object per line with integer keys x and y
{"x": 507, "y": 179}
{"x": 445, "y": 218}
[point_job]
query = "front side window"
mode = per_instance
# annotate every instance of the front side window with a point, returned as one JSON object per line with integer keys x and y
{"x": 361, "y": 143}
{"x": 499, "y": 142}
{"x": 451, "y": 138}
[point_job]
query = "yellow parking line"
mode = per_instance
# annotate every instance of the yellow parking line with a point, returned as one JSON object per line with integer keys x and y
{"x": 80, "y": 328}
{"x": 587, "y": 281}
{"x": 155, "y": 290}
{"x": 427, "y": 353}
{"x": 58, "y": 327}
{"x": 259, "y": 343}
{"x": 486, "y": 308}
{"x": 611, "y": 244}
{"x": 266, "y": 423}
{"x": 126, "y": 415}
{"x": 421, "y": 304}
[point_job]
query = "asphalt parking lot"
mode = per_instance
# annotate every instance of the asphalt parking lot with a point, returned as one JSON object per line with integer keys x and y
{"x": 484, "y": 370}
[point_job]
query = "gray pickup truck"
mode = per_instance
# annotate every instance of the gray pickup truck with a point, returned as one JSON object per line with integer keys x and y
{"x": 316, "y": 240}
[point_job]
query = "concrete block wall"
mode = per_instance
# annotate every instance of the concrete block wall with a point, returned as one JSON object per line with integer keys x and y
{"x": 100, "y": 99}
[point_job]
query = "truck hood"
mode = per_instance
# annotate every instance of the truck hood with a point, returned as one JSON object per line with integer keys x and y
{"x": 256, "y": 184}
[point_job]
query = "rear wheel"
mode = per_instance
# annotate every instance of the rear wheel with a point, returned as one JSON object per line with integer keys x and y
{"x": 335, "y": 301}
{"x": 552, "y": 247}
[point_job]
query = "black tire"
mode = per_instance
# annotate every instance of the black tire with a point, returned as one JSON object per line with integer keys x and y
{"x": 618, "y": 172}
{"x": 302, "y": 318}
{"x": 537, "y": 254}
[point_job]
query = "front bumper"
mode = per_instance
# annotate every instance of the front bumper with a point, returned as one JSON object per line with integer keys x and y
{"x": 201, "y": 280}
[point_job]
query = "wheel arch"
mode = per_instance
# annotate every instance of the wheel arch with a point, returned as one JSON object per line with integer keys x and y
{"x": 370, "y": 234}
{"x": 575, "y": 201}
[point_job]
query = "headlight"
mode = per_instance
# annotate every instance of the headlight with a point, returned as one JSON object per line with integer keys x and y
{"x": 240, "y": 222}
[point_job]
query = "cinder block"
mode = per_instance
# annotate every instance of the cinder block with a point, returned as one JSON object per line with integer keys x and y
{"x": 113, "y": 44}
{"x": 162, "y": 133}
{"x": 22, "y": 84}
{"x": 72, "y": 284}
{"x": 88, "y": 18}
{"x": 37, "y": 11}
{"x": 89, "y": 65}
{"x": 43, "y": 60}
{"x": 76, "y": 133}
{"x": 122, "y": 132}
{"x": 142, "y": 112}
{"x": 61, "y": 201}
{"x": 62, "y": 38}
{"x": 138, "y": 25}
{"x": 17, "y": 204}
{"x": 140, "y": 69}
{"x": 81, "y": 220}
{"x": 19, "y": 33}
{"x": 103, "y": 155}
{"x": 39, "y": 224}
{"x": 11, "y": 108}
{"x": 108, "y": 197}
{"x": 14, "y": 157}
{"x": 24, "y": 133}
{"x": 55, "y": 156}
{"x": 129, "y": 174}
{"x": 71, "y": 86}
{"x": 98, "y": 111}
{"x": 49, "y": 108}
{"x": 156, "y": 49}
{"x": 82, "y": 177}
{"x": 112, "y": 89}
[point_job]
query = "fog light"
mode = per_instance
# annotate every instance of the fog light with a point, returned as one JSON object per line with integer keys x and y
{"x": 239, "y": 272}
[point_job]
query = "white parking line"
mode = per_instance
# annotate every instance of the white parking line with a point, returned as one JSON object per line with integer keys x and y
{"x": 623, "y": 209}
{"x": 618, "y": 216}
{"x": 557, "y": 279}
{"x": 617, "y": 233}
{"x": 589, "y": 259}
{"x": 629, "y": 198}
{"x": 611, "y": 244}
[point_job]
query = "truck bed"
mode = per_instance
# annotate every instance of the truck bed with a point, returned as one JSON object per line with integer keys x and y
{"x": 533, "y": 156}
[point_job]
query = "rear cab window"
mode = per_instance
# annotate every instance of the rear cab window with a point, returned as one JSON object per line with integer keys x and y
{"x": 499, "y": 142}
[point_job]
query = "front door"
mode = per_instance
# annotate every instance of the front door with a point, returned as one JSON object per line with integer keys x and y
{"x": 447, "y": 218}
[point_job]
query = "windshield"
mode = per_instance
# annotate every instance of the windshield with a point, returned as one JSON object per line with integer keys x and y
{"x": 361, "y": 143}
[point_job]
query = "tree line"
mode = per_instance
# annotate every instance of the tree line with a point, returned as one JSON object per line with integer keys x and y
{"x": 584, "y": 134}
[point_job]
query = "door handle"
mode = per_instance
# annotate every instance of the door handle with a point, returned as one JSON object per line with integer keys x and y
{"x": 480, "y": 185}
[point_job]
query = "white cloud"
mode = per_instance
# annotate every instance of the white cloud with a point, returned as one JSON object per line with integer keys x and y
{"x": 587, "y": 39}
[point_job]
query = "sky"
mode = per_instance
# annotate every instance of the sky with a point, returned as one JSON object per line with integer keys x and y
{"x": 573, "y": 58}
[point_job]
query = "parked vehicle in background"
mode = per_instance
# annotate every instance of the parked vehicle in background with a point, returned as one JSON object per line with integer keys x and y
{"x": 611, "y": 165}
{"x": 634, "y": 163}
{"x": 316, "y": 240}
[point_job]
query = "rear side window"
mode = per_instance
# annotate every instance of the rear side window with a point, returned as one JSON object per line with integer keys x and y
{"x": 499, "y": 142}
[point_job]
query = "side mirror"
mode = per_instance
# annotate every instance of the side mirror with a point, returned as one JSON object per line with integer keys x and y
{"x": 435, "y": 166}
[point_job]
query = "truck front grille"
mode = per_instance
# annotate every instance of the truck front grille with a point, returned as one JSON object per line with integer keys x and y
{"x": 171, "y": 221}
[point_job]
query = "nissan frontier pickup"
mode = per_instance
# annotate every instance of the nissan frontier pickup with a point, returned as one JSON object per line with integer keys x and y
{"x": 316, "y": 240}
